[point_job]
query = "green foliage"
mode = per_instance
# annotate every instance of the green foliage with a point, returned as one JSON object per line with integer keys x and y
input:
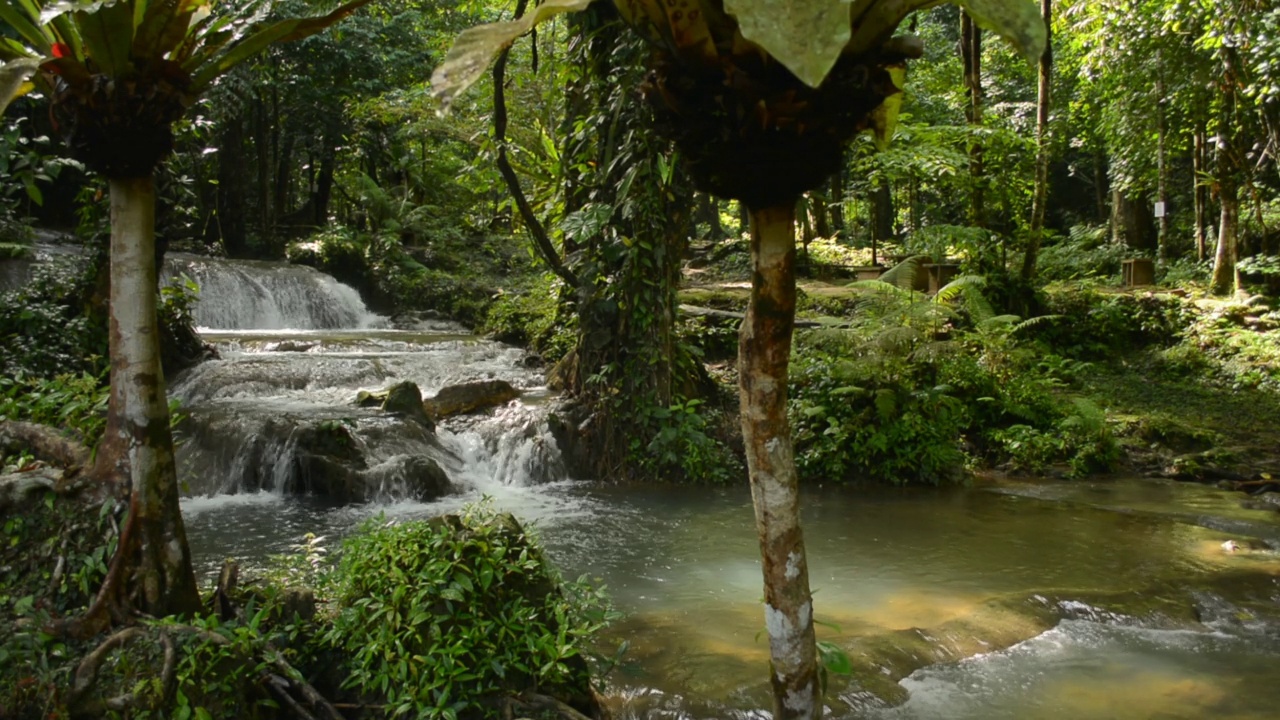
{"x": 77, "y": 403}
{"x": 1085, "y": 254}
{"x": 1096, "y": 324}
{"x": 680, "y": 447}
{"x": 914, "y": 390}
{"x": 533, "y": 318}
{"x": 44, "y": 330}
{"x": 440, "y": 617}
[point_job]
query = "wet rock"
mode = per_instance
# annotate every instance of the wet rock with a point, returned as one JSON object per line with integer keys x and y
{"x": 403, "y": 399}
{"x": 414, "y": 476}
{"x": 469, "y": 397}
{"x": 573, "y": 427}
{"x": 1269, "y": 500}
{"x": 289, "y": 346}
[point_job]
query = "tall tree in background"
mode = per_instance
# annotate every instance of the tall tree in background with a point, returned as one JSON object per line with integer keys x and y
{"x": 119, "y": 75}
{"x": 1040, "y": 197}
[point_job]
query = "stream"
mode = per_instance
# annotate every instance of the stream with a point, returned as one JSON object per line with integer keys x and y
{"x": 1093, "y": 599}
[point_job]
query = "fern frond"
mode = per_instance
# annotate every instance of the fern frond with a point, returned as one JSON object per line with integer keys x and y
{"x": 904, "y": 274}
{"x": 1033, "y": 322}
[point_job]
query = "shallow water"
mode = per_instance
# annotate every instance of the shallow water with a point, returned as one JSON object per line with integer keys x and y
{"x": 1015, "y": 600}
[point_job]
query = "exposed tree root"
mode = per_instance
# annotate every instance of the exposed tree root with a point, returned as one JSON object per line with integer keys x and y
{"x": 46, "y": 443}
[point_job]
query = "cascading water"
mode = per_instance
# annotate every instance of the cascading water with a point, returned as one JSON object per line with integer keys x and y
{"x": 277, "y": 414}
{"x": 928, "y": 586}
{"x": 250, "y": 294}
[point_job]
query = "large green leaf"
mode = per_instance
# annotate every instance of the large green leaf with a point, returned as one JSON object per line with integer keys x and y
{"x": 164, "y": 26}
{"x": 16, "y": 17}
{"x": 1018, "y": 21}
{"x": 259, "y": 40}
{"x": 808, "y": 36}
{"x": 107, "y": 32}
{"x": 13, "y": 78}
{"x": 476, "y": 47}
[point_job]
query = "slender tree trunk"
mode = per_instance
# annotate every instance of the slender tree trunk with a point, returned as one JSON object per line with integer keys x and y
{"x": 971, "y": 56}
{"x": 1162, "y": 164}
{"x": 837, "y": 204}
{"x": 1225, "y": 277}
{"x": 882, "y": 216}
{"x": 764, "y": 352}
{"x": 1040, "y": 198}
{"x": 232, "y": 187}
{"x": 1200, "y": 165}
{"x": 153, "y": 560}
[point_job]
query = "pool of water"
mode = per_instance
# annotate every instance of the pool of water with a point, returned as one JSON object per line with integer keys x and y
{"x": 971, "y": 571}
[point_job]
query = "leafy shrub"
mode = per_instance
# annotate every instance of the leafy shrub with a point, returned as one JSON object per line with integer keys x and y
{"x": 1094, "y": 324}
{"x": 1084, "y": 254}
{"x": 44, "y": 331}
{"x": 532, "y": 318}
{"x": 441, "y": 617}
{"x": 680, "y": 447}
{"x": 71, "y": 402}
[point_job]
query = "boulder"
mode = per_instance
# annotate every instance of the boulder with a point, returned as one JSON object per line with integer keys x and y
{"x": 403, "y": 399}
{"x": 469, "y": 397}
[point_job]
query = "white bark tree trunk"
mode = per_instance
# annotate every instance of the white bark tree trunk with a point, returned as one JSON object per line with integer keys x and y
{"x": 764, "y": 352}
{"x": 154, "y": 562}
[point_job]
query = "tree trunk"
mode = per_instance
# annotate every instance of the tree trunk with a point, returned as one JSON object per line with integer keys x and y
{"x": 882, "y": 216}
{"x": 1200, "y": 165}
{"x": 1162, "y": 164}
{"x": 971, "y": 57}
{"x": 764, "y": 351}
{"x": 1040, "y": 198}
{"x": 232, "y": 188}
{"x": 837, "y": 204}
{"x": 153, "y": 565}
{"x": 1131, "y": 220}
{"x": 1225, "y": 278}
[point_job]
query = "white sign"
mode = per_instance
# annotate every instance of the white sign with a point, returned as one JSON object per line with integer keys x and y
{"x": 1159, "y": 209}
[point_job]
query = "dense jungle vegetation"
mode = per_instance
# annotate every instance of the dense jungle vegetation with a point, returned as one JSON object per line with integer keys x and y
{"x": 1058, "y": 269}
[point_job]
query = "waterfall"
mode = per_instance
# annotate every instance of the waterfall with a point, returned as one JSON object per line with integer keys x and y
{"x": 276, "y": 413}
{"x": 252, "y": 294}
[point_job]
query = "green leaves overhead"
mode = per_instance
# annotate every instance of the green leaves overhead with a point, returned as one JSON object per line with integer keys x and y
{"x": 179, "y": 40}
{"x": 806, "y": 36}
{"x": 1017, "y": 21}
{"x": 477, "y": 47}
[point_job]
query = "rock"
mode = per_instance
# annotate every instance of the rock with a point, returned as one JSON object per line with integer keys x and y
{"x": 415, "y": 476}
{"x": 403, "y": 399}
{"x": 471, "y": 396}
{"x": 289, "y": 346}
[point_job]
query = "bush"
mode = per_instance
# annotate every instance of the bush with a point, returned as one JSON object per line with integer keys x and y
{"x": 532, "y": 318}
{"x": 44, "y": 331}
{"x": 1095, "y": 325}
{"x": 441, "y": 618}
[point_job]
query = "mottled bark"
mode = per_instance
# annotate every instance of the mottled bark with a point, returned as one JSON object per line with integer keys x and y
{"x": 152, "y": 570}
{"x": 764, "y": 352}
{"x": 1225, "y": 277}
{"x": 1040, "y": 196}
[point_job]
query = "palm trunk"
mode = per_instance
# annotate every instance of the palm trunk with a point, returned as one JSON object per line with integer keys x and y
{"x": 153, "y": 563}
{"x": 764, "y": 352}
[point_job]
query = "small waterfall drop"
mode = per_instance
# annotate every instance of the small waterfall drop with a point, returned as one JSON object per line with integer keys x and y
{"x": 253, "y": 294}
{"x": 276, "y": 413}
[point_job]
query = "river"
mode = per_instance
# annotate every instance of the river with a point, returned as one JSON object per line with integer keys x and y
{"x": 1102, "y": 599}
